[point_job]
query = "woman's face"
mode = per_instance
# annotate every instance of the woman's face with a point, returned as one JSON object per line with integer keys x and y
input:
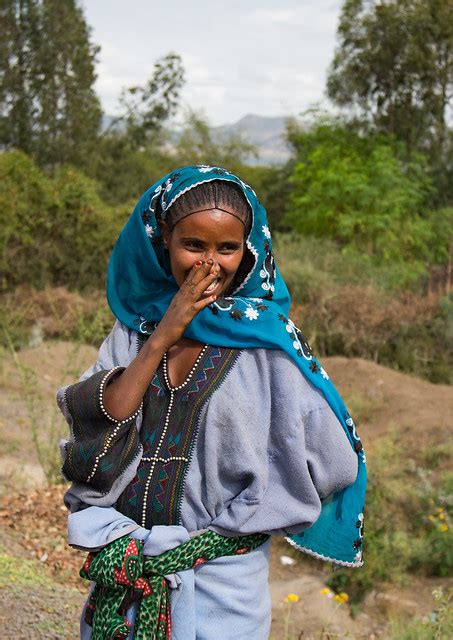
{"x": 206, "y": 235}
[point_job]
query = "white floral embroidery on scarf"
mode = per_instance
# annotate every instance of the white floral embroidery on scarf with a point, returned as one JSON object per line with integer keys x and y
{"x": 324, "y": 373}
{"x": 267, "y": 286}
{"x": 149, "y": 230}
{"x": 297, "y": 344}
{"x": 350, "y": 423}
{"x": 251, "y": 314}
{"x": 265, "y": 230}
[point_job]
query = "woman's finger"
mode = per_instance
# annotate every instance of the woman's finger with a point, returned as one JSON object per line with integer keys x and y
{"x": 201, "y": 304}
{"x": 204, "y": 283}
{"x": 202, "y": 272}
{"x": 195, "y": 269}
{"x": 198, "y": 271}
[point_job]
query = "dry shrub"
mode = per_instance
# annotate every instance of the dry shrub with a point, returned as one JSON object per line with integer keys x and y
{"x": 405, "y": 331}
{"x": 364, "y": 316}
{"x": 30, "y": 315}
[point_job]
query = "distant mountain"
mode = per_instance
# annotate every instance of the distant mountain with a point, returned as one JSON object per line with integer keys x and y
{"x": 267, "y": 134}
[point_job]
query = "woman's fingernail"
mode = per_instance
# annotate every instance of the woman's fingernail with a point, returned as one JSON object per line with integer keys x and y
{"x": 210, "y": 261}
{"x": 198, "y": 263}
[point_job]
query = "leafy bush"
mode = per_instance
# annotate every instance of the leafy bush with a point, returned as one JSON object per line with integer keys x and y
{"x": 26, "y": 209}
{"x": 53, "y": 231}
{"x": 83, "y": 232}
{"x": 356, "y": 190}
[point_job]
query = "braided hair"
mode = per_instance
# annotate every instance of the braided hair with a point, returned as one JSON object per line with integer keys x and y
{"x": 216, "y": 194}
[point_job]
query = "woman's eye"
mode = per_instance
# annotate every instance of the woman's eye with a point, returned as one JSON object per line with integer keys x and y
{"x": 228, "y": 248}
{"x": 193, "y": 244}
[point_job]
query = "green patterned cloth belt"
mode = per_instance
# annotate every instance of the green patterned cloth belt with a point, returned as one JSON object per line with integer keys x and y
{"x": 123, "y": 575}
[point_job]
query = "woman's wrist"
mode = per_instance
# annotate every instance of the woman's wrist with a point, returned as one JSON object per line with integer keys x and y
{"x": 158, "y": 343}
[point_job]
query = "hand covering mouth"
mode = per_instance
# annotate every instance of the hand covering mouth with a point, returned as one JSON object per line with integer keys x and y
{"x": 212, "y": 287}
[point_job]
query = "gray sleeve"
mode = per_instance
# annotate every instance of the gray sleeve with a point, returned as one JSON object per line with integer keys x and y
{"x": 331, "y": 460}
{"x": 265, "y": 461}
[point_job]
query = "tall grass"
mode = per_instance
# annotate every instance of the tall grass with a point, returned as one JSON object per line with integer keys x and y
{"x": 46, "y": 427}
{"x": 438, "y": 625}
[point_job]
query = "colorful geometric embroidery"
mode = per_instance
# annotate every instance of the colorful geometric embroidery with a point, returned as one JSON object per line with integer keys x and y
{"x": 156, "y": 386}
{"x": 155, "y": 499}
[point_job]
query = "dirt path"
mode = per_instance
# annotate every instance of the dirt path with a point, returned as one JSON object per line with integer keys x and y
{"x": 39, "y": 588}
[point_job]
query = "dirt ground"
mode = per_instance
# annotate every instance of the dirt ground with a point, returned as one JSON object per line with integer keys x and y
{"x": 40, "y": 591}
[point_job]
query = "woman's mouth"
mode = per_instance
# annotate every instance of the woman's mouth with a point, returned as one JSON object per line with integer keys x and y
{"x": 212, "y": 287}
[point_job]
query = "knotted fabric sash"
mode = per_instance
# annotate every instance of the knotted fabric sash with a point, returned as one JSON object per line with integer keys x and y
{"x": 123, "y": 576}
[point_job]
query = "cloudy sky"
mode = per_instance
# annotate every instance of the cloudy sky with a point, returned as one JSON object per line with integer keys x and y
{"x": 265, "y": 57}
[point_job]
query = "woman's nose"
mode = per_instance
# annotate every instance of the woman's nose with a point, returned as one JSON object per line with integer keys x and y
{"x": 210, "y": 256}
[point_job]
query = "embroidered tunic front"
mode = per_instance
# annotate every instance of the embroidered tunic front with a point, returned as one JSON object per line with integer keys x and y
{"x": 168, "y": 434}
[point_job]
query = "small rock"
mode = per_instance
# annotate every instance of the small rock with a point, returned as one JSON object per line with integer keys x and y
{"x": 286, "y": 561}
{"x": 36, "y": 335}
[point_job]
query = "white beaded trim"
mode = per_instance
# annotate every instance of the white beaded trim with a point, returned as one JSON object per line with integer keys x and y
{"x": 165, "y": 460}
{"x": 118, "y": 423}
{"x": 172, "y": 390}
{"x": 153, "y": 465}
{"x": 189, "y": 375}
{"x": 104, "y": 380}
{"x": 319, "y": 556}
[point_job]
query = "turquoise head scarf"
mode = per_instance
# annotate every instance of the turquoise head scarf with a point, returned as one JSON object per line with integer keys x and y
{"x": 140, "y": 287}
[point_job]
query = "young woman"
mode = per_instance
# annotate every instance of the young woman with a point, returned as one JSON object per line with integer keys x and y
{"x": 205, "y": 426}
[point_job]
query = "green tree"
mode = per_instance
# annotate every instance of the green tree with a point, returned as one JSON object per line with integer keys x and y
{"x": 48, "y": 106}
{"x": 394, "y": 66}
{"x": 133, "y": 145}
{"x": 146, "y": 109}
{"x": 355, "y": 190}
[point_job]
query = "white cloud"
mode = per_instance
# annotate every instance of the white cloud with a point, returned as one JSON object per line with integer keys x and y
{"x": 262, "y": 56}
{"x": 315, "y": 17}
{"x": 273, "y": 16}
